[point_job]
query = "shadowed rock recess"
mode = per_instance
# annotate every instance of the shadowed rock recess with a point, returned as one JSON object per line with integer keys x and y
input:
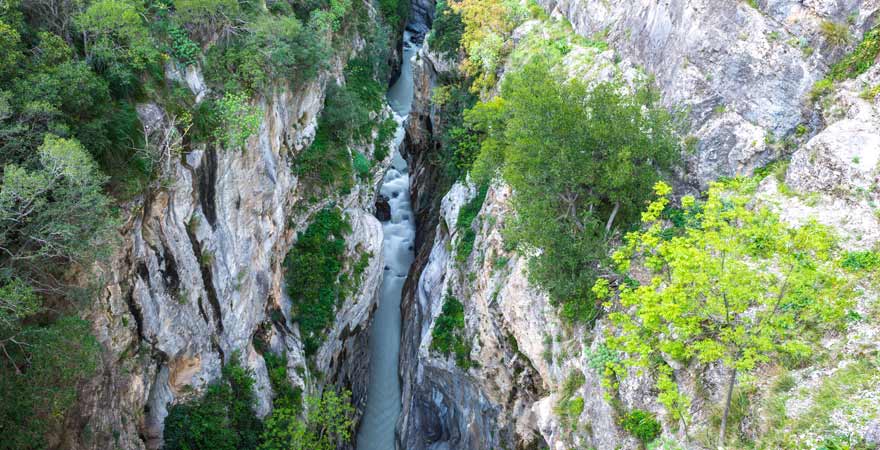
{"x": 435, "y": 321}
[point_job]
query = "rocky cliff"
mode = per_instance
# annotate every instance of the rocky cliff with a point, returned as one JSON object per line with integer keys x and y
{"x": 744, "y": 72}
{"x": 198, "y": 276}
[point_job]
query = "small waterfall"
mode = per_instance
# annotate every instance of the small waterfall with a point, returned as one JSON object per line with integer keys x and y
{"x": 383, "y": 393}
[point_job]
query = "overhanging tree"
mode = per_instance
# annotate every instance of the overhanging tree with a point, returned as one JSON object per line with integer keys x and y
{"x": 732, "y": 285}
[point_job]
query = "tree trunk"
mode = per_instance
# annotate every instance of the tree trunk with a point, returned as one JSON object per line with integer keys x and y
{"x": 611, "y": 219}
{"x": 726, "y": 408}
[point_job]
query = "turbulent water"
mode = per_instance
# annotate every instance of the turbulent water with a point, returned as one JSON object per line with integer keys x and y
{"x": 383, "y": 394}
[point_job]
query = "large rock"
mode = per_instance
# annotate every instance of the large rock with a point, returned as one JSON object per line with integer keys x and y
{"x": 199, "y": 274}
{"x": 742, "y": 74}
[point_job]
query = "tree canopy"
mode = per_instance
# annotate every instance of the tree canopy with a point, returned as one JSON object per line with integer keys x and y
{"x": 581, "y": 160}
{"x": 730, "y": 283}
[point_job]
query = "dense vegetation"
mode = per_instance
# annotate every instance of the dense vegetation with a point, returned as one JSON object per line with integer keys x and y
{"x": 448, "y": 336}
{"x": 71, "y": 145}
{"x": 464, "y": 225}
{"x": 223, "y": 418}
{"x": 729, "y": 284}
{"x": 312, "y": 271}
{"x": 348, "y": 120}
{"x": 580, "y": 172}
{"x": 581, "y": 158}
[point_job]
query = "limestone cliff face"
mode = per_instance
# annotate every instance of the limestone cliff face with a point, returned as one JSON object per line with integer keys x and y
{"x": 198, "y": 275}
{"x": 745, "y": 76}
{"x": 742, "y": 73}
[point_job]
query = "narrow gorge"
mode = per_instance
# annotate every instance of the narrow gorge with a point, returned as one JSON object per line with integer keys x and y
{"x": 440, "y": 225}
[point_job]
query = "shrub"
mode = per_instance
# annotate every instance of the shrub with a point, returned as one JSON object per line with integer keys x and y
{"x": 222, "y": 419}
{"x": 599, "y": 359}
{"x": 384, "y": 138}
{"x": 466, "y": 216}
{"x": 237, "y": 119}
{"x": 821, "y": 88}
{"x": 207, "y": 17}
{"x": 864, "y": 260}
{"x": 835, "y": 33}
{"x": 573, "y": 382}
{"x": 312, "y": 270}
{"x": 576, "y": 174}
{"x": 361, "y": 165}
{"x": 328, "y": 422}
{"x": 286, "y": 396}
{"x": 117, "y": 42}
{"x": 325, "y": 164}
{"x": 446, "y": 31}
{"x": 448, "y": 336}
{"x": 860, "y": 60}
{"x": 641, "y": 424}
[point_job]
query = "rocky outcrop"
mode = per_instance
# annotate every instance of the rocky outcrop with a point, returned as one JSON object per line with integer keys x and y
{"x": 199, "y": 274}
{"x": 740, "y": 72}
{"x": 744, "y": 76}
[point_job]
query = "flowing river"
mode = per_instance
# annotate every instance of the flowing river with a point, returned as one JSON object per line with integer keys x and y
{"x": 383, "y": 393}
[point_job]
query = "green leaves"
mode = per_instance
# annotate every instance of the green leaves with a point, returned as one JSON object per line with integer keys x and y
{"x": 312, "y": 271}
{"x": 735, "y": 286}
{"x": 328, "y": 421}
{"x": 222, "y": 419}
{"x": 581, "y": 160}
{"x": 238, "y": 120}
{"x": 448, "y": 335}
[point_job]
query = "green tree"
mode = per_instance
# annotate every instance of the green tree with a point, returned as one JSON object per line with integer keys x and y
{"x": 580, "y": 160}
{"x": 222, "y": 419}
{"x": 117, "y": 42}
{"x": 40, "y": 368}
{"x": 328, "y": 421}
{"x": 207, "y": 17}
{"x": 732, "y": 285}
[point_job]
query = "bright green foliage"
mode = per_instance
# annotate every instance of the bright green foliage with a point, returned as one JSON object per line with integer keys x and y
{"x": 286, "y": 396}
{"x": 312, "y": 271}
{"x": 860, "y": 60}
{"x": 737, "y": 286}
{"x": 448, "y": 335}
{"x": 58, "y": 95}
{"x": 222, "y": 419}
{"x": 580, "y": 161}
{"x": 446, "y": 31}
{"x": 182, "y": 47}
{"x": 10, "y": 51}
{"x": 328, "y": 421}
{"x": 117, "y": 41}
{"x": 466, "y": 216}
{"x": 238, "y": 120}
{"x": 56, "y": 212}
{"x": 641, "y": 424}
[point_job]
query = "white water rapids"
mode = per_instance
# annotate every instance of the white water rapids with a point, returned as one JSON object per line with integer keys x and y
{"x": 383, "y": 393}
